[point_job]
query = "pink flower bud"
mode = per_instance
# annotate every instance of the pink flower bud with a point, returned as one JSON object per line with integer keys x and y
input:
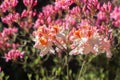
{"x": 24, "y": 13}
{"x": 30, "y": 3}
{"x": 13, "y": 55}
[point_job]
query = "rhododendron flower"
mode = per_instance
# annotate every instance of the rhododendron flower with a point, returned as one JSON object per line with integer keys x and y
{"x": 88, "y": 41}
{"x": 64, "y": 4}
{"x": 44, "y": 45}
{"x": 83, "y": 39}
{"x": 10, "y": 18}
{"x": 9, "y": 31}
{"x": 30, "y": 3}
{"x": 106, "y": 7}
{"x": 13, "y": 55}
{"x": 63, "y": 27}
{"x": 49, "y": 10}
{"x": 105, "y": 45}
{"x": 101, "y": 17}
{"x": 4, "y": 37}
{"x": 8, "y": 4}
{"x": 115, "y": 16}
{"x": 26, "y": 13}
{"x": 43, "y": 42}
{"x": 46, "y": 37}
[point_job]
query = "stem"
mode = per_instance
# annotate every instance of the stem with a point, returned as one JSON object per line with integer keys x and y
{"x": 83, "y": 65}
{"x": 81, "y": 70}
{"x": 67, "y": 66}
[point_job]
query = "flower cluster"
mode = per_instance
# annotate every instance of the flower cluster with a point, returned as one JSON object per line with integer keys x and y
{"x": 13, "y": 55}
{"x": 75, "y": 29}
{"x": 8, "y": 5}
{"x": 73, "y": 26}
{"x": 87, "y": 40}
{"x": 115, "y": 15}
{"x": 65, "y": 28}
{"x": 5, "y": 37}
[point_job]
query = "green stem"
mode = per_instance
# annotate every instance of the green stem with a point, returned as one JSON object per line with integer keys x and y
{"x": 67, "y": 66}
{"x": 85, "y": 62}
{"x": 81, "y": 70}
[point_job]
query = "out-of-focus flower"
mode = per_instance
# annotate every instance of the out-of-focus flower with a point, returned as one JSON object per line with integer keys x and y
{"x": 15, "y": 45}
{"x": 10, "y": 18}
{"x": 63, "y": 4}
{"x": 30, "y": 3}
{"x": 105, "y": 45}
{"x": 104, "y": 13}
{"x": 13, "y": 55}
{"x": 26, "y": 13}
{"x": 4, "y": 37}
{"x": 106, "y": 7}
{"x": 8, "y": 4}
{"x": 75, "y": 11}
{"x": 27, "y": 21}
{"x": 49, "y": 10}
{"x": 115, "y": 16}
{"x": 40, "y": 21}
{"x": 9, "y": 31}
{"x": 0, "y": 69}
{"x": 101, "y": 17}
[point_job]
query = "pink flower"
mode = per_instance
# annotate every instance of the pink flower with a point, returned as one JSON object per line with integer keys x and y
{"x": 75, "y": 11}
{"x": 87, "y": 40}
{"x": 26, "y": 13}
{"x": 8, "y": 4}
{"x": 49, "y": 10}
{"x": 63, "y": 4}
{"x": 0, "y": 69}
{"x": 105, "y": 45}
{"x": 115, "y": 16}
{"x": 64, "y": 27}
{"x": 13, "y": 55}
{"x": 30, "y": 3}
{"x": 9, "y": 31}
{"x": 15, "y": 46}
{"x": 10, "y": 18}
{"x": 101, "y": 17}
{"x": 106, "y": 7}
{"x": 25, "y": 25}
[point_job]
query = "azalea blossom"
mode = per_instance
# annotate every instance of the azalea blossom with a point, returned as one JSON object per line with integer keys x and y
{"x": 71, "y": 33}
{"x": 115, "y": 16}
{"x": 13, "y": 55}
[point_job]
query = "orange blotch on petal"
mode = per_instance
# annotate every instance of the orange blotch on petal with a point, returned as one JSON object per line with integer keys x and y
{"x": 63, "y": 2}
{"x": 89, "y": 33}
{"x": 78, "y": 33}
{"x": 43, "y": 41}
{"x": 56, "y": 29}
